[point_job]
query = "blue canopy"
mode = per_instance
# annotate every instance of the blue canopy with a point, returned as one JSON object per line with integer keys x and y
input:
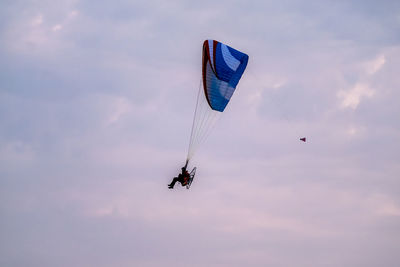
{"x": 223, "y": 67}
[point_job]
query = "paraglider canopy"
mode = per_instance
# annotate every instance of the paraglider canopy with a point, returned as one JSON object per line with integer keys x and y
{"x": 223, "y": 67}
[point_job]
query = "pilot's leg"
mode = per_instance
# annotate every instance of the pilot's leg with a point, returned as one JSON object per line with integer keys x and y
{"x": 172, "y": 184}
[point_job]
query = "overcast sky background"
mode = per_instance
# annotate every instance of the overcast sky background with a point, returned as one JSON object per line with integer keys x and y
{"x": 96, "y": 107}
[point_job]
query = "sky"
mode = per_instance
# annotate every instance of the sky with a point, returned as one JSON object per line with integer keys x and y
{"x": 96, "y": 106}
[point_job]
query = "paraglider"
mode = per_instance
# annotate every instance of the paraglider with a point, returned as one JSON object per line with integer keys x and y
{"x": 222, "y": 68}
{"x": 303, "y": 139}
{"x": 185, "y": 178}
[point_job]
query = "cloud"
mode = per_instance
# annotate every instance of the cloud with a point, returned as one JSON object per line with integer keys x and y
{"x": 33, "y": 34}
{"x": 384, "y": 205}
{"x": 73, "y": 14}
{"x": 57, "y": 27}
{"x": 37, "y": 21}
{"x": 351, "y": 98}
{"x": 121, "y": 106}
{"x": 375, "y": 65}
